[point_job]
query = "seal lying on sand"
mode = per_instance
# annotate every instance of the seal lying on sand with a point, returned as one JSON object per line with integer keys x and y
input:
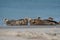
{"x": 16, "y": 22}
{"x": 37, "y": 21}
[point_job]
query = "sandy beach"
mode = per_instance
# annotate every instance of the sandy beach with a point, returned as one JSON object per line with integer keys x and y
{"x": 29, "y": 33}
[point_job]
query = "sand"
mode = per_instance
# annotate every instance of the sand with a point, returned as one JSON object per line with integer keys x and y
{"x": 30, "y": 34}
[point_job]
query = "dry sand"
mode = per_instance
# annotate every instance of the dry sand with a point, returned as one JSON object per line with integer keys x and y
{"x": 30, "y": 34}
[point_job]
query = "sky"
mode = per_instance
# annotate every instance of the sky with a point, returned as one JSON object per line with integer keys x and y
{"x": 15, "y": 9}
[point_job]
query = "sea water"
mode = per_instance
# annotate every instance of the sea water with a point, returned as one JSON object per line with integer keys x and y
{"x": 18, "y": 9}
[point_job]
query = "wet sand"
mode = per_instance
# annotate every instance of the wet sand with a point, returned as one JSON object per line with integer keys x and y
{"x": 32, "y": 26}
